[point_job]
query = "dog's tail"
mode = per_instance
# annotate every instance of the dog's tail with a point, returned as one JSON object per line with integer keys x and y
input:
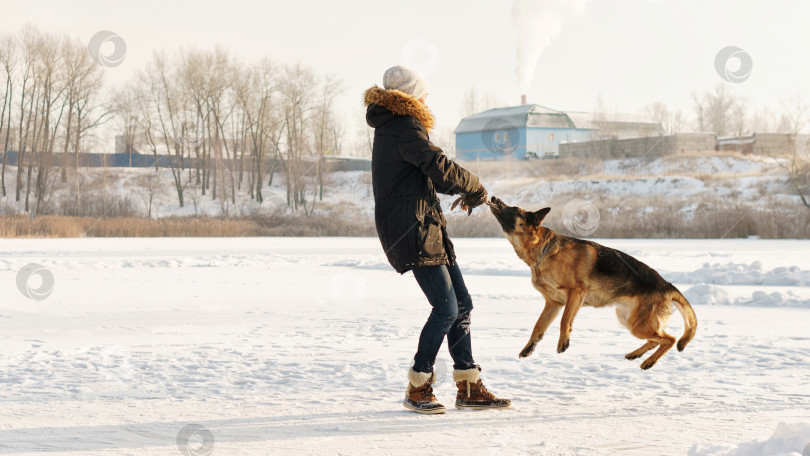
{"x": 689, "y": 318}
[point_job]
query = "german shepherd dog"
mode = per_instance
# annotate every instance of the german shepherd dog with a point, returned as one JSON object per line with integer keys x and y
{"x": 571, "y": 273}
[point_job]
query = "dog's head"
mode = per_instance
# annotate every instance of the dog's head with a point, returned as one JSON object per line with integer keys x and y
{"x": 521, "y": 226}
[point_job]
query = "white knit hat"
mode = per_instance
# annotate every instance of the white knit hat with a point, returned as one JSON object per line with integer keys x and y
{"x": 405, "y": 79}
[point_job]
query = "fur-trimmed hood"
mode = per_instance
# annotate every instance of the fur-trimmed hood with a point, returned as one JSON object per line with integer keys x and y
{"x": 398, "y": 103}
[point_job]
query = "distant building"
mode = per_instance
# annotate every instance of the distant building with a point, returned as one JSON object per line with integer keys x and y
{"x": 128, "y": 145}
{"x": 530, "y": 131}
{"x": 769, "y": 144}
{"x": 644, "y": 146}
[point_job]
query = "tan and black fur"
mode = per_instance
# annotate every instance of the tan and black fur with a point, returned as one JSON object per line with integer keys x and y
{"x": 571, "y": 273}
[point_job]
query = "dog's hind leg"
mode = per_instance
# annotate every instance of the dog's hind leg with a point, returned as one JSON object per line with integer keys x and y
{"x": 658, "y": 336}
{"x": 666, "y": 342}
{"x": 641, "y": 350}
{"x": 546, "y": 318}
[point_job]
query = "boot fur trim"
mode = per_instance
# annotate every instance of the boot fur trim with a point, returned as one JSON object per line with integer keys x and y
{"x": 418, "y": 379}
{"x": 470, "y": 375}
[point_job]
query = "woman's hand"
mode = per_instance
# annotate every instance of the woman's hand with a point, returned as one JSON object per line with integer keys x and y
{"x": 472, "y": 200}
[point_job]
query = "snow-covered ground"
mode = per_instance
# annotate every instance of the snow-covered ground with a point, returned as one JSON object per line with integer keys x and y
{"x": 301, "y": 346}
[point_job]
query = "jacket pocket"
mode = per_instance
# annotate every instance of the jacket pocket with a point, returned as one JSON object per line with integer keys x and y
{"x": 430, "y": 239}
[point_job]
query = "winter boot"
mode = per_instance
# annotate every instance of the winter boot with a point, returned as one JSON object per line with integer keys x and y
{"x": 472, "y": 394}
{"x": 419, "y": 394}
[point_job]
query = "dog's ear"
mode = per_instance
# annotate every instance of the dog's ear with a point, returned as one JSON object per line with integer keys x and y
{"x": 536, "y": 217}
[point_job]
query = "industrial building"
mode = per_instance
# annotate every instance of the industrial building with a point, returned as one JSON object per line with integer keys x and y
{"x": 534, "y": 131}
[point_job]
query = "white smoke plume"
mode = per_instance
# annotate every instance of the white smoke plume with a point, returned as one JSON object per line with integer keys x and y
{"x": 538, "y": 23}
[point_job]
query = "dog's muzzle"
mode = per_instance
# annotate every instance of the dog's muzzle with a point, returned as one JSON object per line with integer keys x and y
{"x": 495, "y": 203}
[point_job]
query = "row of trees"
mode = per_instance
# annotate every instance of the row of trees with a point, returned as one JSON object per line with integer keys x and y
{"x": 725, "y": 113}
{"x": 220, "y": 120}
{"x": 52, "y": 98}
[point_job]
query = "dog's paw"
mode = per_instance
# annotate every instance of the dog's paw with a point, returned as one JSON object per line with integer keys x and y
{"x": 528, "y": 350}
{"x": 631, "y": 356}
{"x": 562, "y": 346}
{"x": 647, "y": 364}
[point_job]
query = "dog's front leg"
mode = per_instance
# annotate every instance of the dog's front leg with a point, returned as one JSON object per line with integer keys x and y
{"x": 571, "y": 308}
{"x": 548, "y": 315}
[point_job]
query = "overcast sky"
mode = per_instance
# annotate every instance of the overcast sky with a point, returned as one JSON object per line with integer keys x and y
{"x": 631, "y": 52}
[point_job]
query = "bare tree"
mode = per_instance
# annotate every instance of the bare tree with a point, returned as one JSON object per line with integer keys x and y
{"x": 8, "y": 60}
{"x": 195, "y": 124}
{"x": 659, "y": 112}
{"x": 325, "y": 125}
{"x": 678, "y": 122}
{"x": 700, "y": 115}
{"x": 473, "y": 102}
{"x": 87, "y": 109}
{"x": 83, "y": 82}
{"x": 298, "y": 95}
{"x": 220, "y": 104}
{"x": 717, "y": 110}
{"x": 149, "y": 188}
{"x": 795, "y": 117}
{"x": 50, "y": 77}
{"x": 257, "y": 95}
{"x": 738, "y": 122}
{"x": 28, "y": 38}
{"x": 125, "y": 105}
{"x": 165, "y": 105}
{"x": 762, "y": 120}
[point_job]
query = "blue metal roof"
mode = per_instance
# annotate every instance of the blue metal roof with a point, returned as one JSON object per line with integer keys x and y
{"x": 530, "y": 115}
{"x": 537, "y": 116}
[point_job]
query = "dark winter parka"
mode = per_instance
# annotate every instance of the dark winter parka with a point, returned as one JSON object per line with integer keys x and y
{"x": 407, "y": 170}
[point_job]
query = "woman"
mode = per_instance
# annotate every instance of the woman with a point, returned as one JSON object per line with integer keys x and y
{"x": 407, "y": 171}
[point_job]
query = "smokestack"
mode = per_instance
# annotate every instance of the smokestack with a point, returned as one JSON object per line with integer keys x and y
{"x": 523, "y": 100}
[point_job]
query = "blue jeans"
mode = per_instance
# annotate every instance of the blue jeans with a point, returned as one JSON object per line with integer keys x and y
{"x": 445, "y": 290}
